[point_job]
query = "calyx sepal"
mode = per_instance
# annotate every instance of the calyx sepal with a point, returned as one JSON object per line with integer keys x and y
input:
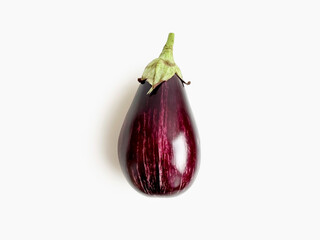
{"x": 162, "y": 68}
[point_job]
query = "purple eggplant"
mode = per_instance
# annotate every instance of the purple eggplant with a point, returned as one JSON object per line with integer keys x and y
{"x": 158, "y": 145}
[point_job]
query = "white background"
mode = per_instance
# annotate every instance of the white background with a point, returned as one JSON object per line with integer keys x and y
{"x": 68, "y": 73}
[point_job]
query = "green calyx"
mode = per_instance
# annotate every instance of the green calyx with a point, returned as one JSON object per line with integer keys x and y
{"x": 162, "y": 68}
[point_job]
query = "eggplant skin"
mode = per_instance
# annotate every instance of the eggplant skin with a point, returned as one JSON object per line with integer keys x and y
{"x": 158, "y": 145}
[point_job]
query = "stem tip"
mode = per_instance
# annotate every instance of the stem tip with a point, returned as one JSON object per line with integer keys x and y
{"x": 170, "y": 41}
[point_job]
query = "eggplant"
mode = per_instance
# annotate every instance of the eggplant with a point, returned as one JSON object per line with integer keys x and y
{"x": 158, "y": 146}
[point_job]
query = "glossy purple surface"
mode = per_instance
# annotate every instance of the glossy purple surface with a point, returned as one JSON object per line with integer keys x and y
{"x": 158, "y": 145}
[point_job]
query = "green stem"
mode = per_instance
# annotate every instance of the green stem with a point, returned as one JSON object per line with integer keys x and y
{"x": 162, "y": 68}
{"x": 167, "y": 51}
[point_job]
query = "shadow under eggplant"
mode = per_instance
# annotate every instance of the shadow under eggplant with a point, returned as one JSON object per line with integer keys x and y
{"x": 114, "y": 121}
